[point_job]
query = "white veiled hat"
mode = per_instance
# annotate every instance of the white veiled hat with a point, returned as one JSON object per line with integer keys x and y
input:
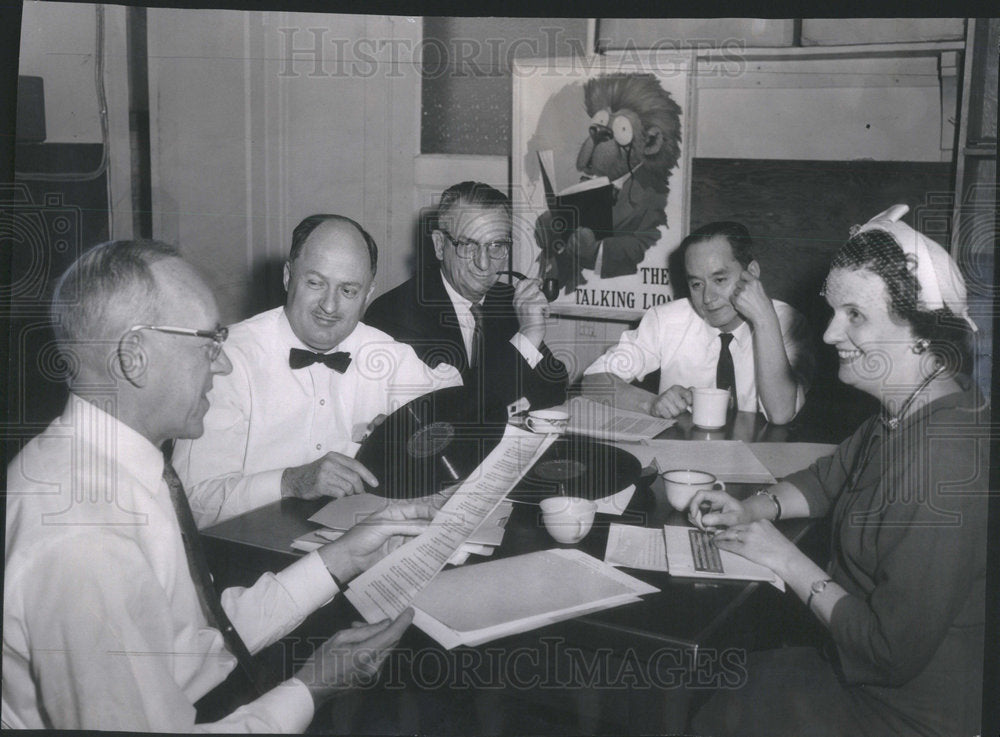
{"x": 941, "y": 283}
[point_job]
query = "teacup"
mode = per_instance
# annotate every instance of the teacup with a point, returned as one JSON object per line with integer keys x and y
{"x": 568, "y": 518}
{"x": 547, "y": 421}
{"x": 683, "y": 485}
{"x": 709, "y": 407}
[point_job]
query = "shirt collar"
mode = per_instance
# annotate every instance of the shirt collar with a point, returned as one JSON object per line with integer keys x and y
{"x": 461, "y": 303}
{"x": 741, "y": 333}
{"x": 112, "y": 438}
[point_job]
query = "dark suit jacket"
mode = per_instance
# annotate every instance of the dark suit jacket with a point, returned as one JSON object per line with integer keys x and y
{"x": 420, "y": 313}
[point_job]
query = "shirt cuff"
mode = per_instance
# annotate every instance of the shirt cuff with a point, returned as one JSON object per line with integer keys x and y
{"x": 263, "y": 488}
{"x": 528, "y": 352}
{"x": 308, "y": 582}
{"x": 290, "y": 705}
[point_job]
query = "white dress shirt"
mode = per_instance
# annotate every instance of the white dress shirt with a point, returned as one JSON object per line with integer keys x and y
{"x": 467, "y": 324}
{"x": 265, "y": 417}
{"x": 102, "y": 626}
{"x": 673, "y": 338}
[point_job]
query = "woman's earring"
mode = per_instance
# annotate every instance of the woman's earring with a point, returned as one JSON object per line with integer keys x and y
{"x": 920, "y": 346}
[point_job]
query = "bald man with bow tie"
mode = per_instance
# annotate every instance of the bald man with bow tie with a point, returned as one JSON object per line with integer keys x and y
{"x": 306, "y": 378}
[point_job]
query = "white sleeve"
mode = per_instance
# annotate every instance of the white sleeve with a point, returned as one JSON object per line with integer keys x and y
{"x": 637, "y": 352}
{"x": 102, "y": 647}
{"x": 528, "y": 351}
{"x": 211, "y": 466}
{"x": 277, "y": 603}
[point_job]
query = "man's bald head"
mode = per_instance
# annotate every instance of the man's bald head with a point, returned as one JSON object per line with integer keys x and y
{"x": 305, "y": 228}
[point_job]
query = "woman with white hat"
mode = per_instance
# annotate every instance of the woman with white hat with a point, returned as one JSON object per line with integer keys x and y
{"x": 903, "y": 597}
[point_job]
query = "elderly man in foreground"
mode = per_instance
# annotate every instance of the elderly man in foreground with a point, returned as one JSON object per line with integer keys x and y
{"x": 110, "y": 619}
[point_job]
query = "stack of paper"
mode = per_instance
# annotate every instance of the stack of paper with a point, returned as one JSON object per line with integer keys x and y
{"x": 783, "y": 459}
{"x": 685, "y": 552}
{"x": 604, "y": 422}
{"x": 342, "y": 514}
{"x": 728, "y": 460}
{"x": 479, "y": 603}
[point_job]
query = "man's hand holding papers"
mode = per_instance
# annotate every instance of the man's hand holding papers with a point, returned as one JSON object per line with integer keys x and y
{"x": 388, "y": 587}
{"x": 376, "y": 536}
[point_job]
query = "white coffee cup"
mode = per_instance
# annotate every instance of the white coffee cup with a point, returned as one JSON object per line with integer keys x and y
{"x": 709, "y": 407}
{"x": 568, "y": 518}
{"x": 683, "y": 485}
{"x": 547, "y": 421}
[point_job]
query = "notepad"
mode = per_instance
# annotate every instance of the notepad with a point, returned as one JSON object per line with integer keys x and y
{"x": 478, "y": 603}
{"x": 630, "y": 546}
{"x": 692, "y": 554}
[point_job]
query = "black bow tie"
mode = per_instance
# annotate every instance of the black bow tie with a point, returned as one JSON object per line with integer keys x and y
{"x": 339, "y": 361}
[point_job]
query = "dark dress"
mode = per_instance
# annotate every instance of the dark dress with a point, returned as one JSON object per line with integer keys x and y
{"x": 420, "y": 313}
{"x": 909, "y": 547}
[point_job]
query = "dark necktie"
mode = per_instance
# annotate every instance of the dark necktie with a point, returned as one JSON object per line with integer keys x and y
{"x": 210, "y": 602}
{"x": 725, "y": 373}
{"x": 339, "y": 361}
{"x": 477, "y": 334}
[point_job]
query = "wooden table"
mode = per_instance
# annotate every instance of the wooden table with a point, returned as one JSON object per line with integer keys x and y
{"x": 632, "y": 669}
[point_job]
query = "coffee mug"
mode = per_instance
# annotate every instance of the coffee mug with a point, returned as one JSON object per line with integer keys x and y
{"x": 682, "y": 485}
{"x": 709, "y": 407}
{"x": 568, "y": 518}
{"x": 547, "y": 421}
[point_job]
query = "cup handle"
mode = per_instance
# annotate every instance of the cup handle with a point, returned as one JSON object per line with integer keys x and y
{"x": 720, "y": 484}
{"x": 528, "y": 424}
{"x": 580, "y": 524}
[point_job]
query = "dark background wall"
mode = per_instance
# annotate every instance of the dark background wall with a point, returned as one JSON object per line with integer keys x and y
{"x": 467, "y": 87}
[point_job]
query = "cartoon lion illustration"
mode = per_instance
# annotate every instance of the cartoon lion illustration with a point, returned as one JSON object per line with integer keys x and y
{"x": 634, "y": 140}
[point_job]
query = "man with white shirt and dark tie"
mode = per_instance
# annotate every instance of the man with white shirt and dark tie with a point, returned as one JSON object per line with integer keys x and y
{"x": 110, "y": 617}
{"x": 307, "y": 378}
{"x": 728, "y": 334}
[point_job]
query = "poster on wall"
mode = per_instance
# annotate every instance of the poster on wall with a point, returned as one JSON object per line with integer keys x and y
{"x": 600, "y": 171}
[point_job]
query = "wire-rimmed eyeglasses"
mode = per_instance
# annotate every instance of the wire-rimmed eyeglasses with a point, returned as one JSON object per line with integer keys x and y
{"x": 217, "y": 336}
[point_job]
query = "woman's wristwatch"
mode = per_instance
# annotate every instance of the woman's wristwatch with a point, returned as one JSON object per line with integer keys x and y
{"x": 818, "y": 587}
{"x": 777, "y": 505}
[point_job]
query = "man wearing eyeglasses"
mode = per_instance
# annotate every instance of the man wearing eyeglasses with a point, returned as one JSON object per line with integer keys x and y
{"x": 110, "y": 618}
{"x": 455, "y": 311}
{"x": 307, "y": 379}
